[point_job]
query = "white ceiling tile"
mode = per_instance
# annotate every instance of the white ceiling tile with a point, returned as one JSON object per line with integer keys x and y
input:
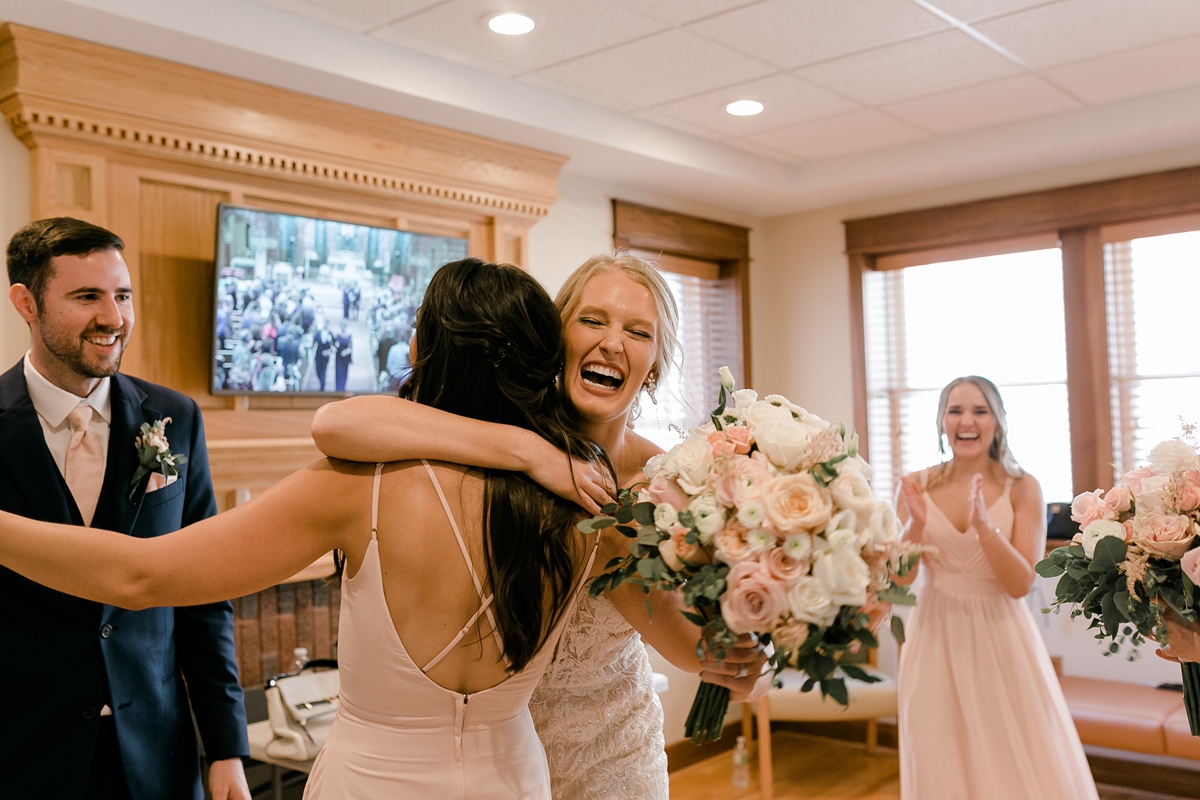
{"x": 897, "y": 72}
{"x": 856, "y": 132}
{"x": 786, "y": 100}
{"x": 1074, "y": 30}
{"x": 357, "y": 15}
{"x": 565, "y": 29}
{"x": 651, "y": 115}
{"x": 1005, "y": 100}
{"x": 1144, "y": 71}
{"x": 659, "y": 68}
{"x": 590, "y": 96}
{"x": 791, "y": 33}
{"x": 756, "y": 149}
{"x": 968, "y": 10}
{"x": 680, "y": 12}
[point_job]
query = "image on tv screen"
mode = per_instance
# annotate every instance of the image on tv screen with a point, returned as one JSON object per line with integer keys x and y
{"x": 306, "y": 305}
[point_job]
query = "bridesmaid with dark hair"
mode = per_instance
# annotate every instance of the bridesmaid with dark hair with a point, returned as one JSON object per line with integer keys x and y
{"x": 981, "y": 713}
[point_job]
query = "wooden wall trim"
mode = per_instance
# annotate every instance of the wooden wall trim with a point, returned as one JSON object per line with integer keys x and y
{"x": 68, "y": 90}
{"x": 1160, "y": 194}
{"x": 859, "y": 264}
{"x": 1088, "y": 384}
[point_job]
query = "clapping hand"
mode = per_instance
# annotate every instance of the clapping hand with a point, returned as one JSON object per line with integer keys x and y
{"x": 741, "y": 671}
{"x": 910, "y": 492}
{"x": 979, "y": 519}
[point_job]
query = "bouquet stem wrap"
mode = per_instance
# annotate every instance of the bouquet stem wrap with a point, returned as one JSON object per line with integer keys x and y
{"x": 706, "y": 720}
{"x": 1191, "y": 695}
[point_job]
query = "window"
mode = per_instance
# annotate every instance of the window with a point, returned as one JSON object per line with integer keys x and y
{"x": 710, "y": 334}
{"x": 997, "y": 316}
{"x": 1154, "y": 365}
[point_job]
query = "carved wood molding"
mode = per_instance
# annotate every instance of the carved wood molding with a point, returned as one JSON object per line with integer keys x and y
{"x": 55, "y": 89}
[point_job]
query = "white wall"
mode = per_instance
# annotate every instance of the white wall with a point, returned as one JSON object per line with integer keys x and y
{"x": 14, "y": 214}
{"x": 801, "y": 338}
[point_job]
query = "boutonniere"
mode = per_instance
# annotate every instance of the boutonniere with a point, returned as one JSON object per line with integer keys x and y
{"x": 154, "y": 454}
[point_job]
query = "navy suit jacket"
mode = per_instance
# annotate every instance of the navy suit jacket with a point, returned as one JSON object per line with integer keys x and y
{"x": 65, "y": 658}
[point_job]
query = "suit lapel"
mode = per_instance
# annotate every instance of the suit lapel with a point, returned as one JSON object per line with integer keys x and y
{"x": 115, "y": 511}
{"x": 24, "y": 452}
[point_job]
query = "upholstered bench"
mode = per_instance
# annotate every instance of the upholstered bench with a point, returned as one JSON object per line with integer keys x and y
{"x": 1128, "y": 716}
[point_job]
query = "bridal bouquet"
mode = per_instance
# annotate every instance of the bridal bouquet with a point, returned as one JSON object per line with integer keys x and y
{"x": 765, "y": 521}
{"x": 1137, "y": 556}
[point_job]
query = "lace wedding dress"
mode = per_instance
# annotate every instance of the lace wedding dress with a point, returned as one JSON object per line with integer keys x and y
{"x": 596, "y": 711}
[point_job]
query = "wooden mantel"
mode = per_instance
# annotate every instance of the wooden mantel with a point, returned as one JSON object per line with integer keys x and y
{"x": 149, "y": 148}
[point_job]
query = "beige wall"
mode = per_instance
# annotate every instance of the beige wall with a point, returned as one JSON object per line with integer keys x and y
{"x": 14, "y": 214}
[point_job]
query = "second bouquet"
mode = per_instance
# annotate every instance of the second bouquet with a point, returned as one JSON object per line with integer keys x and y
{"x": 765, "y": 520}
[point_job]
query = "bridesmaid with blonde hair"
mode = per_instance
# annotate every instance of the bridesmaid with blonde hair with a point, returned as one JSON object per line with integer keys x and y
{"x": 981, "y": 713}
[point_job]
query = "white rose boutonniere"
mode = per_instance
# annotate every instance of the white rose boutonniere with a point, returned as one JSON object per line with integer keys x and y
{"x": 154, "y": 454}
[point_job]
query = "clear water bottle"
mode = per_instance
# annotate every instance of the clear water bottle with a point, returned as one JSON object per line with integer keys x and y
{"x": 301, "y": 654}
{"x": 741, "y": 763}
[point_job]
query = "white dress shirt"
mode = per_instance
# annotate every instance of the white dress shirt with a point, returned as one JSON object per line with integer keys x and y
{"x": 54, "y": 404}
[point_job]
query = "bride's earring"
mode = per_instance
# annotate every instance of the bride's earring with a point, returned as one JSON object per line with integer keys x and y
{"x": 651, "y": 387}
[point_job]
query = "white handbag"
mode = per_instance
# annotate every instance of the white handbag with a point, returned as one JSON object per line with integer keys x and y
{"x": 301, "y": 708}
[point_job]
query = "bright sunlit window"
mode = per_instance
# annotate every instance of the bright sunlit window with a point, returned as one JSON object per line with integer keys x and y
{"x": 710, "y": 333}
{"x": 1000, "y": 317}
{"x": 1152, "y": 286}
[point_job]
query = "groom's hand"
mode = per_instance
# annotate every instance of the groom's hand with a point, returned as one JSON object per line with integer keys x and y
{"x": 227, "y": 780}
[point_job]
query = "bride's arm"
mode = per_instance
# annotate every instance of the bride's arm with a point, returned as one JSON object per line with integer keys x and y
{"x": 232, "y": 554}
{"x": 380, "y": 428}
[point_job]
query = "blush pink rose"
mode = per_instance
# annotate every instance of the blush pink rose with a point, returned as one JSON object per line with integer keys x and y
{"x": 739, "y": 435}
{"x": 666, "y": 490}
{"x": 753, "y": 600}
{"x": 1163, "y": 534}
{"x": 731, "y": 545}
{"x": 782, "y": 566}
{"x": 1191, "y": 564}
{"x": 1133, "y": 479}
{"x": 790, "y": 637}
{"x": 675, "y": 550}
{"x": 1189, "y": 497}
{"x": 797, "y": 503}
{"x": 741, "y": 482}
{"x": 1119, "y": 499}
{"x": 1089, "y": 507}
{"x": 720, "y": 444}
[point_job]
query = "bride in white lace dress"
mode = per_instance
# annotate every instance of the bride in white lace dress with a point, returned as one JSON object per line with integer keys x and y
{"x": 595, "y": 709}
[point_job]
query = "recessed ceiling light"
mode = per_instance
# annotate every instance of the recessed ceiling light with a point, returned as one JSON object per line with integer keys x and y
{"x": 744, "y": 108}
{"x": 511, "y": 24}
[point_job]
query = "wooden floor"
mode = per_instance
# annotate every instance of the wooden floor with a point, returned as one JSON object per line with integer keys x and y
{"x": 815, "y": 768}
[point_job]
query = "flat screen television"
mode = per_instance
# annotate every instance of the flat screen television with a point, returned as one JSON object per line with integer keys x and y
{"x": 316, "y": 306}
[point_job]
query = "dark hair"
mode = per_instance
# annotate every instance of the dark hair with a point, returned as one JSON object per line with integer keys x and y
{"x": 31, "y": 249}
{"x": 490, "y": 347}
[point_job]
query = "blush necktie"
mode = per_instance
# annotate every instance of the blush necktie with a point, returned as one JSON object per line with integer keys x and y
{"x": 85, "y": 463}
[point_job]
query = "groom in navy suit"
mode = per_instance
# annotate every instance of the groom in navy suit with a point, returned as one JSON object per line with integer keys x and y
{"x": 96, "y": 698}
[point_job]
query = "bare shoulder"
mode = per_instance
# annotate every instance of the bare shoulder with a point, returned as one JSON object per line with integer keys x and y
{"x": 640, "y": 450}
{"x": 1026, "y": 490}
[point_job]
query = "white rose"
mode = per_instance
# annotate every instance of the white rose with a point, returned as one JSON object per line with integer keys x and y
{"x": 798, "y": 546}
{"x": 708, "y": 515}
{"x": 1098, "y": 530}
{"x": 784, "y": 442}
{"x": 752, "y": 513}
{"x": 851, "y": 490}
{"x": 693, "y": 459}
{"x": 1150, "y": 496}
{"x": 843, "y": 520}
{"x": 665, "y": 516}
{"x": 844, "y": 574}
{"x": 856, "y": 464}
{"x": 841, "y": 538}
{"x": 1172, "y": 456}
{"x": 884, "y": 525}
{"x": 810, "y": 602}
{"x": 744, "y": 398}
{"x": 762, "y": 412}
{"x": 654, "y": 466}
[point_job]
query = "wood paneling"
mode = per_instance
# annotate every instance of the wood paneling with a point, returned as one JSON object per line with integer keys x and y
{"x": 1160, "y": 194}
{"x": 858, "y": 350}
{"x": 1088, "y": 385}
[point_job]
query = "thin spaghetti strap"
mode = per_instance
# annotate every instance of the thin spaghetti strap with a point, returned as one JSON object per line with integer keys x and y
{"x": 465, "y": 630}
{"x": 486, "y": 602}
{"x": 375, "y": 502}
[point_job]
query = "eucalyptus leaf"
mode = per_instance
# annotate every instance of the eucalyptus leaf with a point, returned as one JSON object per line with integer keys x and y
{"x": 898, "y": 629}
{"x": 1110, "y": 551}
{"x": 643, "y": 513}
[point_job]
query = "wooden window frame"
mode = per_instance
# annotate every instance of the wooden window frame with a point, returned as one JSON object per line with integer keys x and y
{"x": 1082, "y": 217}
{"x": 661, "y": 235}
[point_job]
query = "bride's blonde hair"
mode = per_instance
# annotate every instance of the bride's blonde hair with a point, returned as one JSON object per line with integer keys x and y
{"x": 668, "y": 354}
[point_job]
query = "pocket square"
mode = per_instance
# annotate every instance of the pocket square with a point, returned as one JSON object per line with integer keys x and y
{"x": 157, "y": 481}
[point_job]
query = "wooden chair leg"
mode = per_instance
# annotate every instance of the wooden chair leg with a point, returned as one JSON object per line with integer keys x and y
{"x": 747, "y": 723}
{"x": 872, "y": 736}
{"x": 766, "y": 774}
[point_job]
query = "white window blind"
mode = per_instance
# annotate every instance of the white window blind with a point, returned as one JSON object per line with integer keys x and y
{"x": 998, "y": 316}
{"x": 1152, "y": 284}
{"x": 710, "y": 333}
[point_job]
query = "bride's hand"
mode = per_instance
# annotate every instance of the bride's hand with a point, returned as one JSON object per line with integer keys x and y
{"x": 574, "y": 480}
{"x": 1183, "y": 641}
{"x": 741, "y": 672}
